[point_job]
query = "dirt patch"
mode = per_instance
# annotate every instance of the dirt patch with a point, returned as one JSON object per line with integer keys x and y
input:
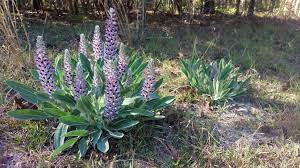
{"x": 245, "y": 121}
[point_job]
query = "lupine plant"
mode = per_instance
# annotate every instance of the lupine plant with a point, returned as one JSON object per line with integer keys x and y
{"x": 92, "y": 101}
{"x": 218, "y": 81}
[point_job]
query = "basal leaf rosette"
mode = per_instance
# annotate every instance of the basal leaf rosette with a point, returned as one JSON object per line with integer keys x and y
{"x": 93, "y": 101}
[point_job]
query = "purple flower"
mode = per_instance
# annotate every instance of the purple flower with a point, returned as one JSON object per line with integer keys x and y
{"x": 112, "y": 92}
{"x": 97, "y": 44}
{"x": 111, "y": 35}
{"x": 68, "y": 68}
{"x": 149, "y": 83}
{"x": 82, "y": 45}
{"x": 122, "y": 64}
{"x": 44, "y": 66}
{"x": 80, "y": 86}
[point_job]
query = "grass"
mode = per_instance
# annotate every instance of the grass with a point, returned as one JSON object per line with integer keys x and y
{"x": 188, "y": 137}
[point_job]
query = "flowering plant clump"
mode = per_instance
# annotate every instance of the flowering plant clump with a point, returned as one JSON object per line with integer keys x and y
{"x": 93, "y": 101}
{"x": 218, "y": 82}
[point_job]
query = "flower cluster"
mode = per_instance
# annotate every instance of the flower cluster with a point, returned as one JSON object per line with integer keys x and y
{"x": 149, "y": 83}
{"x": 111, "y": 35}
{"x": 114, "y": 69}
{"x": 112, "y": 92}
{"x": 67, "y": 68}
{"x": 97, "y": 44}
{"x": 122, "y": 64}
{"x": 44, "y": 66}
{"x": 80, "y": 85}
{"x": 82, "y": 45}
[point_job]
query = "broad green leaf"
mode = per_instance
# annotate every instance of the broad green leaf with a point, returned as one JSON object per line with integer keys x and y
{"x": 86, "y": 65}
{"x": 157, "y": 104}
{"x": 73, "y": 120}
{"x": 47, "y": 105}
{"x": 59, "y": 139}
{"x": 158, "y": 83}
{"x": 85, "y": 105}
{"x": 136, "y": 112}
{"x": 67, "y": 145}
{"x": 64, "y": 98}
{"x": 26, "y": 92}
{"x": 83, "y": 146}
{"x": 80, "y": 133}
{"x": 28, "y": 114}
{"x": 157, "y": 117}
{"x": 116, "y": 134}
{"x": 96, "y": 136}
{"x": 103, "y": 145}
{"x": 125, "y": 124}
{"x": 128, "y": 101}
{"x": 42, "y": 97}
{"x": 35, "y": 74}
{"x": 55, "y": 112}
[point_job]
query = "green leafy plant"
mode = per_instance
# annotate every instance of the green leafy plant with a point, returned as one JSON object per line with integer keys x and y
{"x": 92, "y": 102}
{"x": 218, "y": 81}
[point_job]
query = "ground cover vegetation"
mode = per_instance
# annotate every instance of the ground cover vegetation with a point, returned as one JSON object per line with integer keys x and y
{"x": 166, "y": 84}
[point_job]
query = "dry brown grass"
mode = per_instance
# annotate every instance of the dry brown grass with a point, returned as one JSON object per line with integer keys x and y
{"x": 11, "y": 53}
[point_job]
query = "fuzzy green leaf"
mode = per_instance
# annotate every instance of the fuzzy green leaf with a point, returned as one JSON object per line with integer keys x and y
{"x": 131, "y": 100}
{"x": 80, "y": 133}
{"x": 28, "y": 114}
{"x": 125, "y": 124}
{"x": 85, "y": 105}
{"x": 64, "y": 98}
{"x": 136, "y": 112}
{"x": 26, "y": 92}
{"x": 157, "y": 104}
{"x": 96, "y": 136}
{"x": 83, "y": 146}
{"x": 73, "y": 120}
{"x": 67, "y": 145}
{"x": 103, "y": 145}
{"x": 58, "y": 135}
{"x": 55, "y": 112}
{"x": 116, "y": 134}
{"x": 35, "y": 74}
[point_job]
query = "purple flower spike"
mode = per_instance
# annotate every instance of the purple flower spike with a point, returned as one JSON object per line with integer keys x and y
{"x": 112, "y": 93}
{"x": 80, "y": 86}
{"x": 122, "y": 64}
{"x": 82, "y": 45}
{"x": 149, "y": 83}
{"x": 68, "y": 68}
{"x": 111, "y": 35}
{"x": 97, "y": 44}
{"x": 44, "y": 66}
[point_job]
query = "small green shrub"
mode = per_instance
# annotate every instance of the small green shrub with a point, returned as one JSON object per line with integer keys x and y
{"x": 218, "y": 81}
{"x": 92, "y": 102}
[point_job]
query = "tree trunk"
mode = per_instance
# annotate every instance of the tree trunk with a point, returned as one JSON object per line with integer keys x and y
{"x": 237, "y": 7}
{"x": 76, "y": 6}
{"x": 177, "y": 4}
{"x": 37, "y": 5}
{"x": 209, "y": 7}
{"x": 20, "y": 4}
{"x": 85, "y": 4}
{"x": 272, "y": 5}
{"x": 97, "y": 6}
{"x": 251, "y": 8}
{"x": 156, "y": 5}
{"x": 70, "y": 5}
